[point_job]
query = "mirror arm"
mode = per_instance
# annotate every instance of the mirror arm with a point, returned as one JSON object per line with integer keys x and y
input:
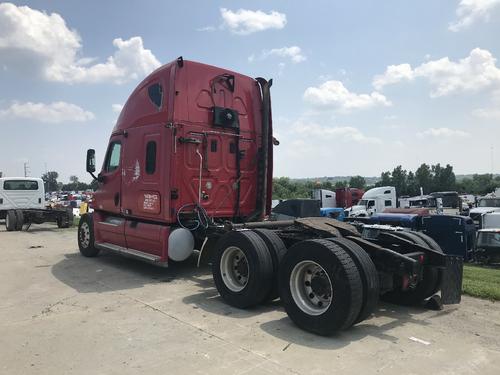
{"x": 94, "y": 176}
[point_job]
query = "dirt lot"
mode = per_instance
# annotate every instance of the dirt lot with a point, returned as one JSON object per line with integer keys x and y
{"x": 61, "y": 313}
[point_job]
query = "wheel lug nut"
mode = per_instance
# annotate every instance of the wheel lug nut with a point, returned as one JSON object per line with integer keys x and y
{"x": 311, "y": 295}
{"x": 307, "y": 283}
{"x": 320, "y": 303}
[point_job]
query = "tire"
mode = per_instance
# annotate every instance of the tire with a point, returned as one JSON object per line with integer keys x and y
{"x": 86, "y": 238}
{"x": 277, "y": 250}
{"x": 65, "y": 220}
{"x": 334, "y": 273}
{"x": 19, "y": 219}
{"x": 434, "y": 246}
{"x": 424, "y": 289}
{"x": 11, "y": 221}
{"x": 242, "y": 269}
{"x": 368, "y": 273}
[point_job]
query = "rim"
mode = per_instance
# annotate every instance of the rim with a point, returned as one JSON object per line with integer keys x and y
{"x": 234, "y": 268}
{"x": 311, "y": 287}
{"x": 7, "y": 221}
{"x": 84, "y": 235}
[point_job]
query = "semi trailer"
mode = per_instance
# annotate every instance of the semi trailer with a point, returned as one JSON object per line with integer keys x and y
{"x": 189, "y": 166}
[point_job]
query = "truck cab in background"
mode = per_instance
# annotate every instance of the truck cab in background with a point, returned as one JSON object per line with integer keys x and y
{"x": 326, "y": 198}
{"x": 485, "y": 205}
{"x": 348, "y": 196}
{"x": 488, "y": 238}
{"x": 374, "y": 200}
{"x": 21, "y": 193}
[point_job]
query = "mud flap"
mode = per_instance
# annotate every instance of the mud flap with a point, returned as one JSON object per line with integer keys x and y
{"x": 451, "y": 286}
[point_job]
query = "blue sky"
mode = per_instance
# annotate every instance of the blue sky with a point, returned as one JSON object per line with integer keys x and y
{"x": 359, "y": 86}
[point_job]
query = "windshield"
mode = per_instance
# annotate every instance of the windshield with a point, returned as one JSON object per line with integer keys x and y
{"x": 488, "y": 239}
{"x": 419, "y": 203}
{"x": 489, "y": 202}
{"x": 363, "y": 202}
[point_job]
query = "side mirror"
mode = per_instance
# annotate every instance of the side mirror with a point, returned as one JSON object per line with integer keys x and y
{"x": 90, "y": 161}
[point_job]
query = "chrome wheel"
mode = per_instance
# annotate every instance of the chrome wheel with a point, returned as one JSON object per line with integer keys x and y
{"x": 311, "y": 287}
{"x": 84, "y": 235}
{"x": 7, "y": 221}
{"x": 234, "y": 268}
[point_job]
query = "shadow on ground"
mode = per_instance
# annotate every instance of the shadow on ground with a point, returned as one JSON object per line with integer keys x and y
{"x": 110, "y": 272}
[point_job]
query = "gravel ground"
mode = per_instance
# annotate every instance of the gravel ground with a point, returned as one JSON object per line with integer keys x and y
{"x": 61, "y": 313}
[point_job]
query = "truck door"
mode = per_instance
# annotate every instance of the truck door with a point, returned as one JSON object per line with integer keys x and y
{"x": 109, "y": 193}
{"x": 145, "y": 170}
{"x": 108, "y": 225}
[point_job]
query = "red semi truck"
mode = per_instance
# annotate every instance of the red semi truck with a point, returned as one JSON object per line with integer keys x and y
{"x": 189, "y": 166}
{"x": 348, "y": 197}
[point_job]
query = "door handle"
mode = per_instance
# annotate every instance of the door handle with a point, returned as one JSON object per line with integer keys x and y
{"x": 117, "y": 199}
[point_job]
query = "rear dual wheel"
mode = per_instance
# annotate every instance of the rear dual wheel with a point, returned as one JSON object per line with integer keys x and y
{"x": 65, "y": 220}
{"x": 320, "y": 286}
{"x": 368, "y": 273}
{"x": 242, "y": 269}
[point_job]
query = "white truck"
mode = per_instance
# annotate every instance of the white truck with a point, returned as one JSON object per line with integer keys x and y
{"x": 488, "y": 238}
{"x": 22, "y": 201}
{"x": 374, "y": 200}
{"x": 326, "y": 198}
{"x": 485, "y": 205}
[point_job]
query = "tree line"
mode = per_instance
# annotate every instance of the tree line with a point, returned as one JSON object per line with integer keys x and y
{"x": 431, "y": 178}
{"x": 51, "y": 182}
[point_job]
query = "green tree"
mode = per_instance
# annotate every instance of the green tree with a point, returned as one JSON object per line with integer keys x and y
{"x": 340, "y": 184}
{"x": 423, "y": 178}
{"x": 385, "y": 179}
{"x": 399, "y": 180}
{"x": 50, "y": 180}
{"x": 357, "y": 182}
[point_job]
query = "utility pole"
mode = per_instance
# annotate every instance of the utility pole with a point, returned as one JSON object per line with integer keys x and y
{"x": 491, "y": 149}
{"x": 26, "y": 169}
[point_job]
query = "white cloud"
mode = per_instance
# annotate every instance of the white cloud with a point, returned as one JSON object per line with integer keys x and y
{"x": 207, "y": 28}
{"x": 55, "y": 112}
{"x": 246, "y": 22}
{"x": 117, "y": 108}
{"x": 473, "y": 73}
{"x": 31, "y": 40}
{"x": 333, "y": 94}
{"x": 294, "y": 53}
{"x": 487, "y": 113}
{"x": 470, "y": 11}
{"x": 393, "y": 74}
{"x": 442, "y": 133}
{"x": 344, "y": 133}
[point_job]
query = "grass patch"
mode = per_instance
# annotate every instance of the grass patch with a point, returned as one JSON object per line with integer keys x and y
{"x": 481, "y": 282}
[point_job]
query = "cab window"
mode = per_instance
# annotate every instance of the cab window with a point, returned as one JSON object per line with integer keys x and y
{"x": 150, "y": 157}
{"x": 155, "y": 93}
{"x": 113, "y": 157}
{"x": 20, "y": 185}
